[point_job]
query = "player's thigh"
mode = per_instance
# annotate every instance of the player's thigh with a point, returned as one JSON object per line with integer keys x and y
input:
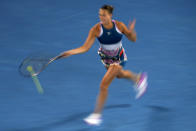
{"x": 111, "y": 73}
{"x": 121, "y": 73}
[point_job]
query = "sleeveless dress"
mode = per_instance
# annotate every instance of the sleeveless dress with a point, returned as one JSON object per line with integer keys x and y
{"x": 111, "y": 50}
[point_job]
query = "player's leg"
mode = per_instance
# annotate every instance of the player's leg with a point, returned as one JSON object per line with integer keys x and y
{"x": 139, "y": 79}
{"x": 127, "y": 74}
{"x": 112, "y": 72}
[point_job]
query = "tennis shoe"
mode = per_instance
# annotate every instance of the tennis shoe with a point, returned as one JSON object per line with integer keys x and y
{"x": 141, "y": 86}
{"x": 93, "y": 119}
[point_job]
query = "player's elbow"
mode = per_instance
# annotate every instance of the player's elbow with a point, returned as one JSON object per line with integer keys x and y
{"x": 84, "y": 49}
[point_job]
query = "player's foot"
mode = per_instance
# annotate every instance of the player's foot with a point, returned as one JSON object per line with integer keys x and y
{"x": 141, "y": 86}
{"x": 93, "y": 119}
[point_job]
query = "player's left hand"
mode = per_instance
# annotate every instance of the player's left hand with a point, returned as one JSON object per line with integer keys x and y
{"x": 132, "y": 25}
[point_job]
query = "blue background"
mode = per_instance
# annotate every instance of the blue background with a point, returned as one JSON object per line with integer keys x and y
{"x": 165, "y": 49}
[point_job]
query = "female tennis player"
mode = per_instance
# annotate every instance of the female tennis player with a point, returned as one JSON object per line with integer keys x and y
{"x": 109, "y": 33}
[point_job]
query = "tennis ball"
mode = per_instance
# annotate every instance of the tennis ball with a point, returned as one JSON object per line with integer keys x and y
{"x": 29, "y": 68}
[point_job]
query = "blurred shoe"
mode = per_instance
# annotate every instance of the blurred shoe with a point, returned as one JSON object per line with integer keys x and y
{"x": 93, "y": 119}
{"x": 141, "y": 86}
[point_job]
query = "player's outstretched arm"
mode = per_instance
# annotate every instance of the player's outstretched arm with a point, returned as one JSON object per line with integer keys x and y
{"x": 130, "y": 32}
{"x": 84, "y": 48}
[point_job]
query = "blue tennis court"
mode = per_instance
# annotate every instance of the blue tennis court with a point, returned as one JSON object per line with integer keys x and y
{"x": 165, "y": 48}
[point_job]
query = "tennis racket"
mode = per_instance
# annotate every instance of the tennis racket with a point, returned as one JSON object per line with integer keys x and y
{"x": 37, "y": 62}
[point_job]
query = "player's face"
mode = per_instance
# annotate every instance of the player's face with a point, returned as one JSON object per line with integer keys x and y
{"x": 105, "y": 16}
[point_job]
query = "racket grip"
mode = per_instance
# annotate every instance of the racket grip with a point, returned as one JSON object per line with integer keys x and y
{"x": 58, "y": 57}
{"x": 62, "y": 55}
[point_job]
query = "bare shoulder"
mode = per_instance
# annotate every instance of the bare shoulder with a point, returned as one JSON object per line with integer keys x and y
{"x": 120, "y": 25}
{"x": 96, "y": 29}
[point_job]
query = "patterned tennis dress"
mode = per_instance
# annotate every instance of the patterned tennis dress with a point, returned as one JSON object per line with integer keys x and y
{"x": 111, "y": 50}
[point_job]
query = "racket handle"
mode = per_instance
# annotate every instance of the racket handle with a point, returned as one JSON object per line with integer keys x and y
{"x": 62, "y": 55}
{"x": 57, "y": 57}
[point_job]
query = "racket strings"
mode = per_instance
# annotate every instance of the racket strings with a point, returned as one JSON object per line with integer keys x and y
{"x": 38, "y": 63}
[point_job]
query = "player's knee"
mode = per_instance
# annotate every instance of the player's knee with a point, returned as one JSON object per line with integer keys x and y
{"x": 103, "y": 88}
{"x": 104, "y": 85}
